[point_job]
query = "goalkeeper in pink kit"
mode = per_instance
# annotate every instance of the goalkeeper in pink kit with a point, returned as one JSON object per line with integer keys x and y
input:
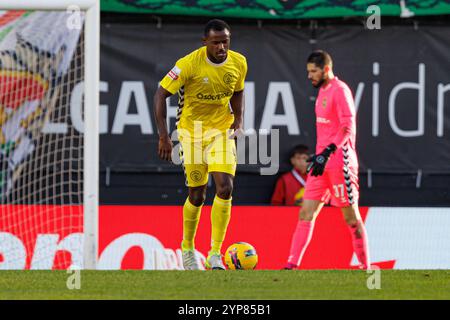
{"x": 333, "y": 170}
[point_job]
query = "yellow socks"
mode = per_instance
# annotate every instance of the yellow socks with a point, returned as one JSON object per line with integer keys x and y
{"x": 191, "y": 215}
{"x": 220, "y": 216}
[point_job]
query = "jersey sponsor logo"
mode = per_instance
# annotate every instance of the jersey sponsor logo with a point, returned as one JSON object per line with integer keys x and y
{"x": 208, "y": 96}
{"x": 322, "y": 120}
{"x": 174, "y": 73}
{"x": 228, "y": 78}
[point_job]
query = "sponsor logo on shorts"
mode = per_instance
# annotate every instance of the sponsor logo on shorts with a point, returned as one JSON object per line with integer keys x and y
{"x": 196, "y": 175}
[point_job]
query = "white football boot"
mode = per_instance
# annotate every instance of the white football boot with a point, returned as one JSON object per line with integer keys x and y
{"x": 190, "y": 261}
{"x": 214, "y": 262}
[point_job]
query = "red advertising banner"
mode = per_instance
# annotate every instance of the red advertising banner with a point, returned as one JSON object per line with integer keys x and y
{"x": 40, "y": 236}
{"x": 268, "y": 229}
{"x": 149, "y": 237}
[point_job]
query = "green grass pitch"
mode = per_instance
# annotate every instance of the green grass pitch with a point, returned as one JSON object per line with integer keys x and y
{"x": 194, "y": 285}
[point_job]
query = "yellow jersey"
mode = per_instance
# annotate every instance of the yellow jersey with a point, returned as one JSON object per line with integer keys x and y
{"x": 205, "y": 89}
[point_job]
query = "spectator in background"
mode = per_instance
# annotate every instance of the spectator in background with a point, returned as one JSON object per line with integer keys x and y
{"x": 290, "y": 186}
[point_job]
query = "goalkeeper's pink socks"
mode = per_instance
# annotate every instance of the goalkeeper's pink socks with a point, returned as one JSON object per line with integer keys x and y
{"x": 360, "y": 243}
{"x": 303, "y": 234}
{"x": 300, "y": 240}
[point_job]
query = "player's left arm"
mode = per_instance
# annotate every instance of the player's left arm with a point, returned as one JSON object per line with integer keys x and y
{"x": 345, "y": 108}
{"x": 237, "y": 104}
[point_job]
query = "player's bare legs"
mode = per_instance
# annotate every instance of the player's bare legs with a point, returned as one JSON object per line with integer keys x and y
{"x": 220, "y": 217}
{"x": 197, "y": 195}
{"x": 359, "y": 235}
{"x": 351, "y": 214}
{"x": 310, "y": 210}
{"x": 224, "y": 184}
{"x": 303, "y": 232}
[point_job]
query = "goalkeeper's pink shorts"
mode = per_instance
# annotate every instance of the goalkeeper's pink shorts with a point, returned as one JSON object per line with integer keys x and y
{"x": 339, "y": 187}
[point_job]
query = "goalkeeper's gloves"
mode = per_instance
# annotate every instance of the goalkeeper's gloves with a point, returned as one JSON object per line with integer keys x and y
{"x": 317, "y": 162}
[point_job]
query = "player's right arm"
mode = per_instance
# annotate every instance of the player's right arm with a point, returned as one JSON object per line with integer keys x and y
{"x": 170, "y": 84}
{"x": 345, "y": 109}
{"x": 165, "y": 145}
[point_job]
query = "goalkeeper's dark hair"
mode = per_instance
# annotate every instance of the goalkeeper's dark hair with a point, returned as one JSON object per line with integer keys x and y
{"x": 320, "y": 58}
{"x": 217, "y": 25}
{"x": 300, "y": 149}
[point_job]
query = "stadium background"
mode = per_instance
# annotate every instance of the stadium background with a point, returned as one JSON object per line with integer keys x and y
{"x": 403, "y": 146}
{"x": 403, "y": 129}
{"x": 402, "y": 141}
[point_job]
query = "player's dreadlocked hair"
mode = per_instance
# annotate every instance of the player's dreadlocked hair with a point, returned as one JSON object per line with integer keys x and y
{"x": 217, "y": 25}
{"x": 320, "y": 58}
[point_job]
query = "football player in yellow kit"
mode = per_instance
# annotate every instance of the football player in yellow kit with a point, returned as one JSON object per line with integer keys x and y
{"x": 210, "y": 85}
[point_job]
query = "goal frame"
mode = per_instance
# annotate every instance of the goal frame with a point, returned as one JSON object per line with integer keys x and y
{"x": 91, "y": 112}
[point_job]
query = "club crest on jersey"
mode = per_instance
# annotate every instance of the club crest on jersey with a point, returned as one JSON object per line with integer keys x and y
{"x": 324, "y": 102}
{"x": 228, "y": 78}
{"x": 174, "y": 73}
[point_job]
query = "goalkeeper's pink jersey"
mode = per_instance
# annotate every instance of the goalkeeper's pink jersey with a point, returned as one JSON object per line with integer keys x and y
{"x": 335, "y": 110}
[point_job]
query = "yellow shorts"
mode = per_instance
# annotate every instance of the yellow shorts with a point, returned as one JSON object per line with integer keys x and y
{"x": 214, "y": 155}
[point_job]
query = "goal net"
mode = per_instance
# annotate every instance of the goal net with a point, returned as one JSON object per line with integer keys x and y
{"x": 42, "y": 60}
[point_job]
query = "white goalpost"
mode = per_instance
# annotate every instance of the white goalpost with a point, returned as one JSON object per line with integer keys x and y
{"x": 49, "y": 169}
